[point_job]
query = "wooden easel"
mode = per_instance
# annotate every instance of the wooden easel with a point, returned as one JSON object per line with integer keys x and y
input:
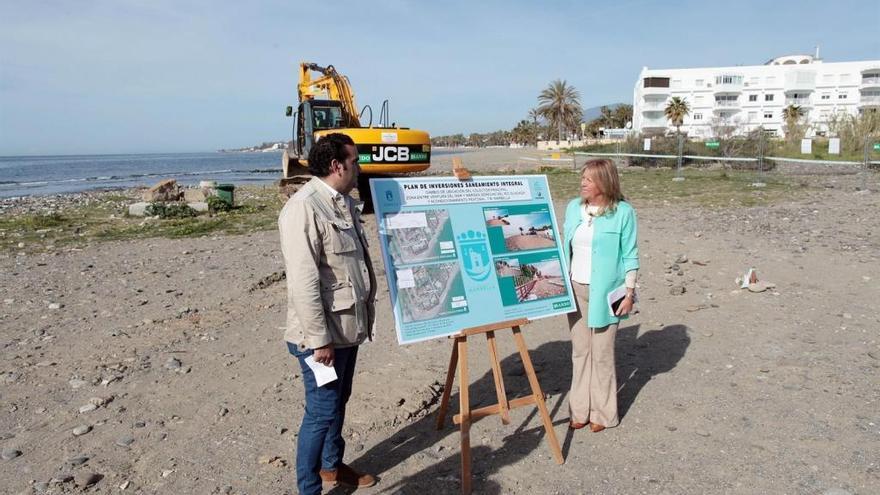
{"x": 466, "y": 415}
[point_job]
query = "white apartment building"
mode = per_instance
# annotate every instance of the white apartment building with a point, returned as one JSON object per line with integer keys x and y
{"x": 754, "y": 96}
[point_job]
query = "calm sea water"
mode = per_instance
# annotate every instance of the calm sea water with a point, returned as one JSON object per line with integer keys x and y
{"x": 44, "y": 175}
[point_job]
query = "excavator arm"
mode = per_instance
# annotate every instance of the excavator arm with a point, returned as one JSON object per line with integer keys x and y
{"x": 330, "y": 85}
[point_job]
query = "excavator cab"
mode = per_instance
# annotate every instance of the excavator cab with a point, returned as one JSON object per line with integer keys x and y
{"x": 316, "y": 115}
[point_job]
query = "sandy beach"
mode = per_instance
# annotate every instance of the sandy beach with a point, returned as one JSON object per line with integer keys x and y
{"x": 157, "y": 365}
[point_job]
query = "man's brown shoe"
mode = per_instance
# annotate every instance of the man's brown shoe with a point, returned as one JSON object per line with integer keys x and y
{"x": 346, "y": 476}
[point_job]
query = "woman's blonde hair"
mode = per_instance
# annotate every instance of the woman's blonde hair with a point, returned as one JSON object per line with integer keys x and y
{"x": 605, "y": 176}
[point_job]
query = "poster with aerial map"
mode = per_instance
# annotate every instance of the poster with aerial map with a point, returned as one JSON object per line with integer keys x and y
{"x": 460, "y": 254}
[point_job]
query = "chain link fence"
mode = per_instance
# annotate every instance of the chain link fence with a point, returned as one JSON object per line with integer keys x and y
{"x": 755, "y": 153}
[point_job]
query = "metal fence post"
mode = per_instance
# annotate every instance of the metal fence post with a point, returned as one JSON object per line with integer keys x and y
{"x": 678, "y": 174}
{"x": 761, "y": 154}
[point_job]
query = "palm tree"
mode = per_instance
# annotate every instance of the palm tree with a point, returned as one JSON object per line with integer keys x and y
{"x": 560, "y": 104}
{"x": 792, "y": 115}
{"x": 676, "y": 111}
{"x": 534, "y": 114}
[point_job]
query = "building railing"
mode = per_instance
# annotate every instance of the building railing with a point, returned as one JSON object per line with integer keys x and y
{"x": 870, "y": 100}
{"x": 654, "y": 106}
{"x": 870, "y": 80}
{"x": 727, "y": 103}
{"x": 655, "y": 91}
{"x": 730, "y": 87}
{"x": 654, "y": 123}
{"x": 801, "y": 102}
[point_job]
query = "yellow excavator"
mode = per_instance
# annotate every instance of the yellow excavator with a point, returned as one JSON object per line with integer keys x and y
{"x": 327, "y": 105}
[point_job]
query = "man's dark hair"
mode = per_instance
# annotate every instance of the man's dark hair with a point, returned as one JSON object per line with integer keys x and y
{"x": 325, "y": 150}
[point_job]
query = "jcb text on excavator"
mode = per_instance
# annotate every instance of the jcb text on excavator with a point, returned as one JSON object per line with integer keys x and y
{"x": 327, "y": 105}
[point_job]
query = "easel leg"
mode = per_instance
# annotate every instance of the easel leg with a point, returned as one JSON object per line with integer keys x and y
{"x": 503, "y": 406}
{"x": 465, "y": 412}
{"x": 539, "y": 395}
{"x": 447, "y": 389}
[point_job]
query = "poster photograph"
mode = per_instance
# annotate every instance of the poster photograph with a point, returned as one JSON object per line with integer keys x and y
{"x": 460, "y": 254}
{"x": 529, "y": 277}
{"x": 430, "y": 291}
{"x": 419, "y": 236}
{"x": 519, "y": 228}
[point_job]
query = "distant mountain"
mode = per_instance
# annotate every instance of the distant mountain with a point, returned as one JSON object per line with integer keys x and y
{"x": 592, "y": 113}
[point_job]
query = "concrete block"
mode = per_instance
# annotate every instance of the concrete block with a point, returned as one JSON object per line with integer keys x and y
{"x": 199, "y": 206}
{"x": 193, "y": 195}
{"x": 138, "y": 209}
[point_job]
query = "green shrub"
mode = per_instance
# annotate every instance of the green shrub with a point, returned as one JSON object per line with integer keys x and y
{"x": 169, "y": 210}
{"x": 215, "y": 204}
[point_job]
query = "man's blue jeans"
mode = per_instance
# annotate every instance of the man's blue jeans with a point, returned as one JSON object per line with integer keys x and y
{"x": 320, "y": 444}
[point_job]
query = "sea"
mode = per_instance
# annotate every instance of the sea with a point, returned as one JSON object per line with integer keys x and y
{"x": 48, "y": 175}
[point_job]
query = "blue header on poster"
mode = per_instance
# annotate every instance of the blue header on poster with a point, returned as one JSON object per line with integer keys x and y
{"x": 460, "y": 254}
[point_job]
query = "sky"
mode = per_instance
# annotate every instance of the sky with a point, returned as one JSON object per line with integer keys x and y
{"x": 151, "y": 76}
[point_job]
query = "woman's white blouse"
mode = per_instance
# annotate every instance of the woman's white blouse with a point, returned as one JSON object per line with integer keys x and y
{"x": 581, "y": 246}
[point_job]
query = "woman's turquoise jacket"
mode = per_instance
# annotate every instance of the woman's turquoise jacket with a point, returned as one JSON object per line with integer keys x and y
{"x": 615, "y": 251}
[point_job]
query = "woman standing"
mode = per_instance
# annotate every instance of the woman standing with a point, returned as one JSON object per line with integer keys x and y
{"x": 600, "y": 244}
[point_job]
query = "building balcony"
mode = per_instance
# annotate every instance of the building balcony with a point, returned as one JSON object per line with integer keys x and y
{"x": 654, "y": 123}
{"x": 655, "y": 91}
{"x": 869, "y": 101}
{"x": 870, "y": 82}
{"x": 800, "y": 81}
{"x": 727, "y": 88}
{"x": 653, "y": 106}
{"x": 801, "y": 102}
{"x": 729, "y": 105}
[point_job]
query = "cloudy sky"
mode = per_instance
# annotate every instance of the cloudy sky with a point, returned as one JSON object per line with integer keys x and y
{"x": 128, "y": 76}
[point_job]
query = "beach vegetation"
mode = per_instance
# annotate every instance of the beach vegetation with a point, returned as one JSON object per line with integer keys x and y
{"x": 105, "y": 220}
{"x": 217, "y": 205}
{"x": 169, "y": 210}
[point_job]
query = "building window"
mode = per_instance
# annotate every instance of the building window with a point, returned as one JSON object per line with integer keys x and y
{"x": 753, "y": 80}
{"x": 699, "y": 82}
{"x": 826, "y": 96}
{"x": 676, "y": 83}
{"x": 771, "y": 80}
{"x": 728, "y": 79}
{"x": 844, "y": 78}
{"x": 656, "y": 82}
{"x": 768, "y": 97}
{"x": 841, "y": 96}
{"x": 698, "y": 116}
{"x": 753, "y": 97}
{"x": 768, "y": 115}
{"x": 753, "y": 116}
{"x": 698, "y": 100}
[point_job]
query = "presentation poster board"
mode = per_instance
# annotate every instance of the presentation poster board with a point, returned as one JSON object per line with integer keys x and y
{"x": 459, "y": 254}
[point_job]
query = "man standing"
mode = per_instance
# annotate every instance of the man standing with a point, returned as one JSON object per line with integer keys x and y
{"x": 331, "y": 287}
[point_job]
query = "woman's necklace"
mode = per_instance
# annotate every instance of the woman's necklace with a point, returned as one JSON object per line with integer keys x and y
{"x": 592, "y": 212}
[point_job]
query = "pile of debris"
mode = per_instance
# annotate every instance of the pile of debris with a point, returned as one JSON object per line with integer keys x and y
{"x": 168, "y": 194}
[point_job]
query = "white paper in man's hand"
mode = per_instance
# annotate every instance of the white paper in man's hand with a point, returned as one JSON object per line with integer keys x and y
{"x": 323, "y": 374}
